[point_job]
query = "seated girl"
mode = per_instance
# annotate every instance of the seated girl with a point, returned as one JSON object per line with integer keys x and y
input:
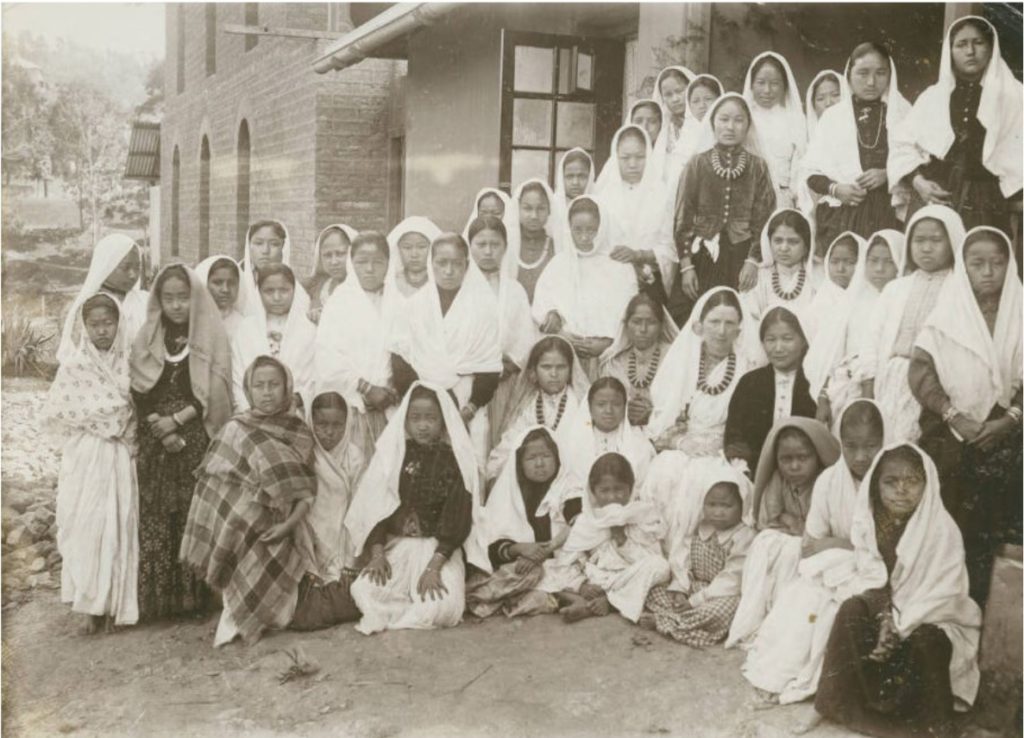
{"x": 222, "y": 277}
{"x": 785, "y": 275}
{"x": 412, "y": 512}
{"x": 643, "y": 339}
{"x": 716, "y": 533}
{"x": 765, "y": 395}
{"x": 534, "y": 231}
{"x": 253, "y": 488}
{"x": 584, "y": 291}
{"x": 549, "y": 393}
{"x": 90, "y": 406}
{"x": 614, "y": 546}
{"x": 330, "y": 259}
{"x": 902, "y": 654}
{"x": 524, "y": 524}
{"x": 794, "y": 454}
{"x": 266, "y": 243}
{"x": 842, "y": 257}
{"x": 784, "y": 661}
{"x": 409, "y": 242}
{"x": 278, "y": 327}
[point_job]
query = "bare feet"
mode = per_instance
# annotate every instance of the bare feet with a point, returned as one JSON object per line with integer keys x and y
{"x": 764, "y": 700}
{"x": 599, "y": 606}
{"x": 577, "y": 612}
{"x": 565, "y": 598}
{"x": 808, "y": 722}
{"x": 108, "y": 625}
{"x": 591, "y": 591}
{"x": 90, "y": 625}
{"x": 647, "y": 621}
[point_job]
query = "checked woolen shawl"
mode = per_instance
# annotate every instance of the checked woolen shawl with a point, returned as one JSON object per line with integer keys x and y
{"x": 257, "y": 467}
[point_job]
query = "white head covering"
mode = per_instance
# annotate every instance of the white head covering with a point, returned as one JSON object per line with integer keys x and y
{"x": 656, "y": 158}
{"x": 782, "y": 128}
{"x": 376, "y": 495}
{"x": 661, "y": 145}
{"x": 204, "y": 268}
{"x": 412, "y": 224}
{"x": 515, "y": 236}
{"x": 752, "y": 143}
{"x": 350, "y": 233}
{"x": 830, "y": 299}
{"x": 978, "y": 369}
{"x": 927, "y": 130}
{"x": 610, "y": 180}
{"x": 560, "y": 195}
{"x": 929, "y": 581}
{"x": 249, "y": 302}
{"x": 621, "y": 341}
{"x": 791, "y": 104}
{"x": 692, "y": 133}
{"x": 812, "y": 115}
{"x": 948, "y": 217}
{"x": 475, "y": 213}
{"x": 107, "y": 254}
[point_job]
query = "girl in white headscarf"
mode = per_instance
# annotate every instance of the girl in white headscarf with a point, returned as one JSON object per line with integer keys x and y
{"x": 222, "y": 278}
{"x": 826, "y": 89}
{"x": 410, "y": 251}
{"x": 266, "y": 243}
{"x": 846, "y": 159}
{"x": 488, "y": 202}
{"x": 330, "y": 257}
{"x": 700, "y": 96}
{"x": 786, "y": 274}
{"x": 534, "y": 230}
{"x": 647, "y": 113}
{"x": 961, "y": 143}
{"x": 574, "y": 177}
{"x": 844, "y": 254}
{"x": 671, "y": 92}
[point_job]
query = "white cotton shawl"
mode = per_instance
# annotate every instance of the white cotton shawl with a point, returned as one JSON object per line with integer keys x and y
{"x": 783, "y": 129}
{"x": 516, "y": 330}
{"x": 977, "y": 369}
{"x": 107, "y": 254}
{"x": 927, "y": 130}
{"x": 412, "y": 224}
{"x": 829, "y": 298}
{"x": 929, "y": 581}
{"x": 691, "y": 135}
{"x": 475, "y": 213}
{"x": 671, "y": 163}
{"x": 350, "y": 233}
{"x": 376, "y": 495}
{"x": 233, "y": 318}
{"x": 249, "y": 303}
{"x": 812, "y": 115}
{"x": 592, "y": 527}
{"x": 589, "y": 290}
{"x": 552, "y": 227}
{"x": 561, "y": 198}
{"x": 762, "y": 297}
{"x": 656, "y": 160}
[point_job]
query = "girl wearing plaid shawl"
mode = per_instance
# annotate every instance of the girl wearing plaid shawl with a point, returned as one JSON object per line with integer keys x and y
{"x": 254, "y": 487}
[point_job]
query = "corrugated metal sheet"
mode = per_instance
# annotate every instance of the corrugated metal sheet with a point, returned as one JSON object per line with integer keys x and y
{"x": 143, "y": 152}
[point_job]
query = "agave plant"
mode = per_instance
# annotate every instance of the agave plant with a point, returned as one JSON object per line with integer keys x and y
{"x": 22, "y": 347}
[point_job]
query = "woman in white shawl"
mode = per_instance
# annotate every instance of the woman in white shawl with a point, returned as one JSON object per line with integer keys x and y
{"x": 701, "y": 93}
{"x": 448, "y": 337}
{"x": 965, "y": 371}
{"x": 640, "y": 205}
{"x": 410, "y": 251}
{"x": 354, "y": 340}
{"x": 584, "y": 290}
{"x": 647, "y": 113}
{"x": 534, "y": 230}
{"x": 961, "y": 143}
{"x": 845, "y": 164}
{"x": 115, "y": 268}
{"x": 413, "y": 511}
{"x": 89, "y": 404}
{"x": 671, "y": 93}
{"x": 770, "y": 89}
{"x": 330, "y": 259}
{"x": 826, "y": 89}
{"x": 266, "y": 243}
{"x": 222, "y": 278}
{"x": 488, "y": 202}
{"x": 902, "y": 310}
{"x": 842, "y": 258}
{"x": 574, "y": 176}
{"x": 786, "y": 275}
{"x": 905, "y": 616}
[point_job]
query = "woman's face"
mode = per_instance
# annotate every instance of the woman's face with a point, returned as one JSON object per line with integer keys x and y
{"x": 900, "y": 487}
{"x": 986, "y": 263}
{"x": 797, "y": 460}
{"x": 632, "y": 156}
{"x": 334, "y": 253}
{"x": 611, "y": 490}
{"x": 539, "y": 463}
{"x": 576, "y": 175}
{"x": 929, "y": 245}
{"x": 719, "y": 329}
{"x": 869, "y": 76}
{"x": 266, "y": 247}
{"x": 769, "y": 86}
{"x": 277, "y": 294}
{"x": 584, "y": 227}
{"x": 487, "y": 249}
{"x": 492, "y": 205}
{"x": 329, "y": 426}
{"x": 730, "y": 123}
{"x": 125, "y": 274}
{"x": 370, "y": 266}
{"x": 414, "y": 248}
{"x": 175, "y": 299}
{"x": 423, "y": 421}
{"x": 643, "y": 327}
{"x": 842, "y": 260}
{"x": 673, "y": 92}
{"x": 552, "y": 372}
{"x": 788, "y": 246}
{"x": 649, "y": 119}
{"x": 534, "y": 211}
{"x": 826, "y": 94}
{"x": 267, "y": 388}
{"x": 722, "y": 507}
{"x": 223, "y": 287}
{"x": 700, "y": 101}
{"x": 971, "y": 52}
{"x": 450, "y": 266}
{"x": 881, "y": 269}
{"x": 607, "y": 409}
{"x": 784, "y": 346}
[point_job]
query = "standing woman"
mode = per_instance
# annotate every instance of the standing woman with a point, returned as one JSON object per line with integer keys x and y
{"x": 574, "y": 176}
{"x": 700, "y": 95}
{"x": 266, "y": 243}
{"x": 826, "y": 89}
{"x": 222, "y": 278}
{"x": 960, "y": 145}
{"x": 965, "y": 371}
{"x": 671, "y": 88}
{"x": 410, "y": 251}
{"x": 181, "y": 384}
{"x": 330, "y": 255}
{"x": 647, "y": 114}
{"x": 846, "y": 158}
{"x": 533, "y": 231}
{"x": 489, "y": 202}
{"x": 770, "y": 89}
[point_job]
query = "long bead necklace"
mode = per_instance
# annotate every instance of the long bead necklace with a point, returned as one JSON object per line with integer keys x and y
{"x": 539, "y": 410}
{"x": 652, "y": 369}
{"x": 730, "y": 372}
{"x": 725, "y": 172}
{"x": 797, "y": 288}
{"x": 540, "y": 260}
{"x": 865, "y": 114}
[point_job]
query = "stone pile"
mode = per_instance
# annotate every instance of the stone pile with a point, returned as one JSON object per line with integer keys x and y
{"x": 30, "y": 558}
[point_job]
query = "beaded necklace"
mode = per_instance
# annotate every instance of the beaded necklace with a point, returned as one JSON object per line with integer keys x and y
{"x": 540, "y": 260}
{"x": 728, "y": 173}
{"x": 652, "y": 369}
{"x": 793, "y": 293}
{"x": 539, "y": 410}
{"x": 730, "y": 372}
{"x": 865, "y": 114}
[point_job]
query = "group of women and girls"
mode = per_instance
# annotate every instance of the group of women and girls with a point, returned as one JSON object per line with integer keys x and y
{"x": 759, "y": 381}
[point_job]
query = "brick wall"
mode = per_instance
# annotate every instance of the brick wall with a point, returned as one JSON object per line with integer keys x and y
{"x": 318, "y": 142}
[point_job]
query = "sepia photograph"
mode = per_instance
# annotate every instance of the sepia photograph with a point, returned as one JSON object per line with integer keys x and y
{"x": 512, "y": 369}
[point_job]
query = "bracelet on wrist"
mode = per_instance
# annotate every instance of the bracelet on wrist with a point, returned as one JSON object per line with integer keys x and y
{"x": 1015, "y": 412}
{"x": 686, "y": 268}
{"x": 949, "y": 415}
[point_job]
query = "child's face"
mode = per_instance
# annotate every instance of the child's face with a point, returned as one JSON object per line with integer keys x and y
{"x": 825, "y": 96}
{"x": 722, "y": 506}
{"x": 700, "y": 101}
{"x": 329, "y": 426}
{"x": 334, "y": 254}
{"x": 784, "y": 346}
{"x": 797, "y": 460}
{"x": 788, "y": 246}
{"x": 900, "y": 487}
{"x": 490, "y": 204}
{"x": 267, "y": 388}
{"x": 575, "y": 173}
{"x": 487, "y": 249}
{"x": 266, "y": 247}
{"x": 277, "y": 294}
{"x": 414, "y": 248}
{"x": 610, "y": 490}
{"x": 673, "y": 92}
{"x": 842, "y": 261}
{"x": 880, "y": 267}
{"x": 370, "y": 266}
{"x": 869, "y": 77}
{"x": 534, "y": 211}
{"x": 539, "y": 464}
{"x": 643, "y": 327}
{"x": 584, "y": 227}
{"x": 860, "y": 447}
{"x": 607, "y": 409}
{"x": 175, "y": 300}
{"x": 929, "y": 245}
{"x": 730, "y": 123}
{"x": 424, "y": 422}
{"x": 552, "y": 372}
{"x": 101, "y": 327}
{"x": 223, "y": 287}
{"x": 768, "y": 86}
{"x": 986, "y": 263}
{"x": 450, "y": 265}
{"x": 649, "y": 119}
{"x": 632, "y": 156}
{"x": 125, "y": 274}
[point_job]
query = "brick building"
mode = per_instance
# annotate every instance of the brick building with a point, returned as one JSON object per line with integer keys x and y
{"x": 250, "y": 131}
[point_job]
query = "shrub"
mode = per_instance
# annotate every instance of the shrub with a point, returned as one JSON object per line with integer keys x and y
{"x": 22, "y": 349}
